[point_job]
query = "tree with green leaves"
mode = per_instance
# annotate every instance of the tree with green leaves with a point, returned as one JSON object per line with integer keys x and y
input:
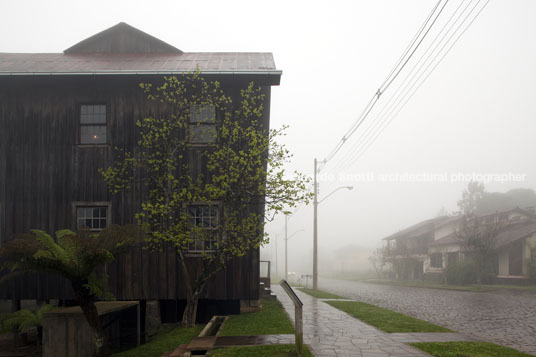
{"x": 212, "y": 172}
{"x": 75, "y": 256}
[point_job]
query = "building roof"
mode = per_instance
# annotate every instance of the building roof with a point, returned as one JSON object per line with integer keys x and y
{"x": 418, "y": 229}
{"x": 69, "y": 64}
{"x": 122, "y": 38}
{"x": 516, "y": 232}
{"x": 122, "y": 49}
{"x": 431, "y": 225}
{"x": 508, "y": 234}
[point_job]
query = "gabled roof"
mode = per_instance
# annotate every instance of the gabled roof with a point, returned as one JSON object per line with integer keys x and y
{"x": 418, "y": 229}
{"x": 122, "y": 38}
{"x": 431, "y": 225}
{"x": 508, "y": 234}
{"x": 515, "y": 232}
{"x": 124, "y": 50}
{"x": 79, "y": 64}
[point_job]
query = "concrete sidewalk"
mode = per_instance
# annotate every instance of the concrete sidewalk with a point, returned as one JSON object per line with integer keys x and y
{"x": 332, "y": 332}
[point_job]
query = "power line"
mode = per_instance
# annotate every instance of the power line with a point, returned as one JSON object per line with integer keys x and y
{"x": 386, "y": 83}
{"x": 344, "y": 160}
{"x": 389, "y": 117}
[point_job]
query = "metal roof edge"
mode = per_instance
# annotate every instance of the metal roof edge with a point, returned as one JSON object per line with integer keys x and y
{"x": 126, "y": 72}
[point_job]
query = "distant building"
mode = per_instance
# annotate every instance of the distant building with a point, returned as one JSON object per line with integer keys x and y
{"x": 424, "y": 250}
{"x": 61, "y": 116}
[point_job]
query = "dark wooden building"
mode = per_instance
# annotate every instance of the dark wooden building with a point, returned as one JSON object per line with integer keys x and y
{"x": 62, "y": 114}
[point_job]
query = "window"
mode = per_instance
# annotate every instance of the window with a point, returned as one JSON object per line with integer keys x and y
{"x": 436, "y": 260}
{"x": 204, "y": 221}
{"x": 202, "y": 128}
{"x": 93, "y": 124}
{"x": 95, "y": 218}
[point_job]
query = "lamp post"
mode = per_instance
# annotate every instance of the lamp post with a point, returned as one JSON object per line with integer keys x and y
{"x": 286, "y": 243}
{"x": 316, "y": 202}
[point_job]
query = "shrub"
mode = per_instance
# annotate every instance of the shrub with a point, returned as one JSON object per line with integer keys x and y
{"x": 461, "y": 273}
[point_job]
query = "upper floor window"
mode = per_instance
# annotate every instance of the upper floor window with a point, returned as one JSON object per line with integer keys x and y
{"x": 202, "y": 125}
{"x": 93, "y": 124}
{"x": 204, "y": 220}
{"x": 93, "y": 217}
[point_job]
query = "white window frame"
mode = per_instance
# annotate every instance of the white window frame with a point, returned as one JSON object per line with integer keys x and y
{"x": 215, "y": 229}
{"x": 92, "y": 204}
{"x": 82, "y": 124}
{"x": 198, "y": 120}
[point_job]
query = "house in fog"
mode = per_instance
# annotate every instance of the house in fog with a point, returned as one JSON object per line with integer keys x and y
{"x": 61, "y": 116}
{"x": 426, "y": 249}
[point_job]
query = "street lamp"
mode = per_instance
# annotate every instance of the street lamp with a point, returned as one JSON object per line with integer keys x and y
{"x": 316, "y": 202}
{"x": 286, "y": 242}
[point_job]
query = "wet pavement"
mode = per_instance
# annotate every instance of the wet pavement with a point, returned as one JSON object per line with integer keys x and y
{"x": 331, "y": 332}
{"x": 508, "y": 319}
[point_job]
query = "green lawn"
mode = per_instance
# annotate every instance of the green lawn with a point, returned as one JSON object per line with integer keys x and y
{"x": 273, "y": 350}
{"x": 272, "y": 319}
{"x": 167, "y": 340}
{"x": 320, "y": 294}
{"x": 385, "y": 320}
{"x": 467, "y": 349}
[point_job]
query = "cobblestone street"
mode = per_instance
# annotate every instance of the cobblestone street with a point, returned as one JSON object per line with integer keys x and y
{"x": 505, "y": 318}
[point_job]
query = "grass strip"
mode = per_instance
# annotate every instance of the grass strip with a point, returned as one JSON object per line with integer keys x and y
{"x": 319, "y": 294}
{"x": 166, "y": 340}
{"x": 252, "y": 351}
{"x": 467, "y": 349}
{"x": 385, "y": 320}
{"x": 272, "y": 319}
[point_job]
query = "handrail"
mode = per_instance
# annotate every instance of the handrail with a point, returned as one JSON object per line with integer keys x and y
{"x": 298, "y": 318}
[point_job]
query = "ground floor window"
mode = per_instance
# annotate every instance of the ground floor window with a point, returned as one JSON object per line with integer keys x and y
{"x": 436, "y": 260}
{"x": 203, "y": 220}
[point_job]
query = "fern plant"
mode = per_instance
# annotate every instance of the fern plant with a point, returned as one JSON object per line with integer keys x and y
{"x": 24, "y": 320}
{"x": 74, "y": 256}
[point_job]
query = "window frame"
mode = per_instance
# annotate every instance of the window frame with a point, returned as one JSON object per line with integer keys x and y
{"x": 91, "y": 204}
{"x": 439, "y": 260}
{"x": 81, "y": 125}
{"x": 217, "y": 206}
{"x": 208, "y": 124}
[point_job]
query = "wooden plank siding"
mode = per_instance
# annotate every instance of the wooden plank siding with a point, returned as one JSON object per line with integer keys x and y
{"x": 43, "y": 171}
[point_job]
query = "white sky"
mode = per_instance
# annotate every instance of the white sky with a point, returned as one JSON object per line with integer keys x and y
{"x": 475, "y": 113}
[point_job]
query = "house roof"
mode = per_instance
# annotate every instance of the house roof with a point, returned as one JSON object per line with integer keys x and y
{"x": 122, "y": 49}
{"x": 508, "y": 234}
{"x": 430, "y": 225}
{"x": 516, "y": 232}
{"x": 69, "y": 64}
{"x": 418, "y": 229}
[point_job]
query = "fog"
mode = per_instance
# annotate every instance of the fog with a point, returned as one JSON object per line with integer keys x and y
{"x": 474, "y": 114}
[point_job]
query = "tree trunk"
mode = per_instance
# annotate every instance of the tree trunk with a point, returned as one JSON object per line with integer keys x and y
{"x": 190, "y": 312}
{"x": 87, "y": 304}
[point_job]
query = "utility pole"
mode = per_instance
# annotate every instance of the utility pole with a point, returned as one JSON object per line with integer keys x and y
{"x": 315, "y": 230}
{"x": 286, "y": 242}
